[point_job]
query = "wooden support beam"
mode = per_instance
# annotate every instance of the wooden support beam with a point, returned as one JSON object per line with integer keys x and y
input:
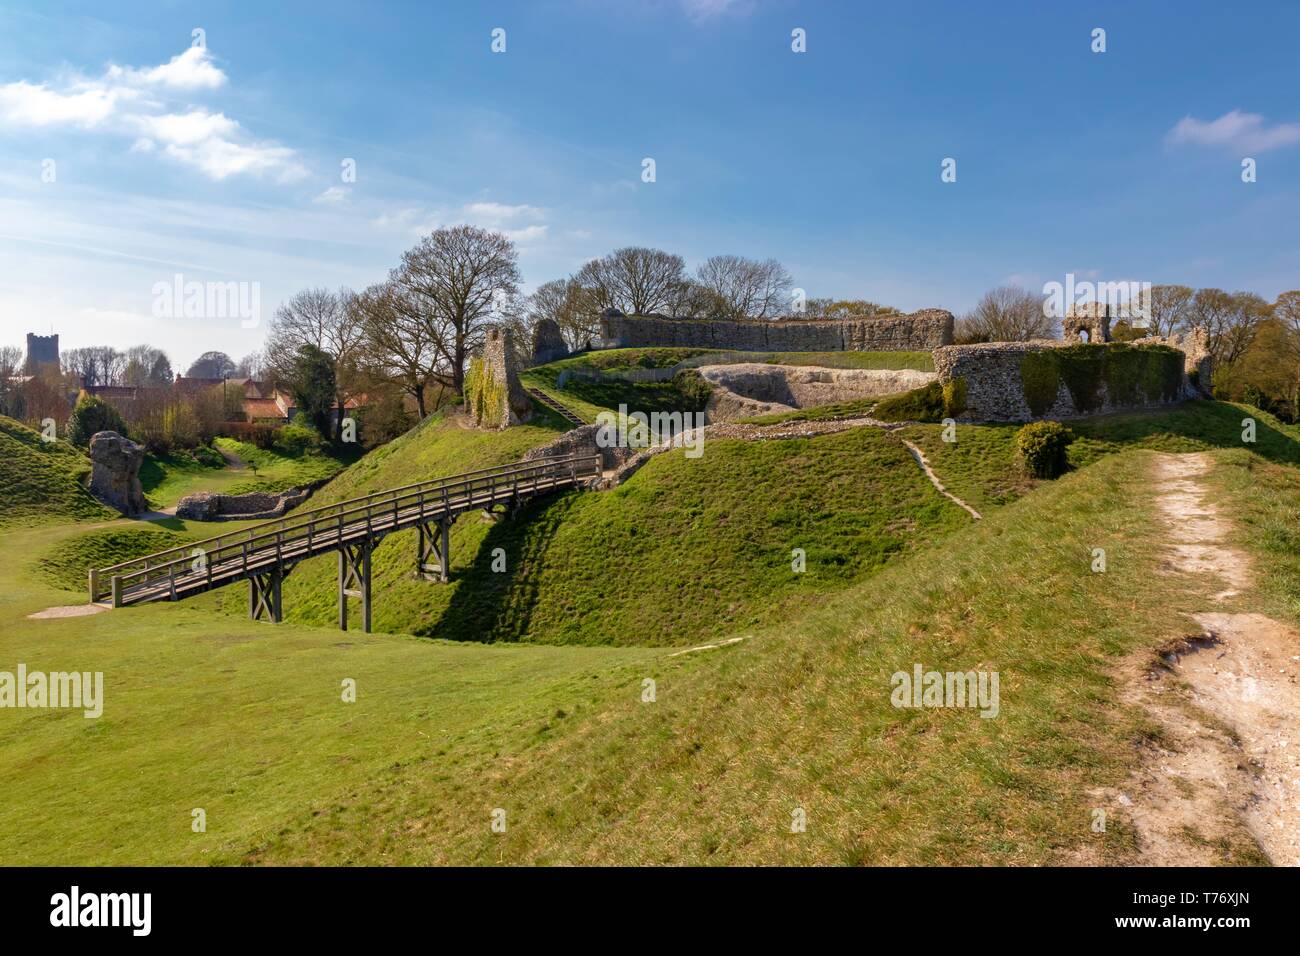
{"x": 433, "y": 556}
{"x": 354, "y": 580}
{"x": 265, "y": 595}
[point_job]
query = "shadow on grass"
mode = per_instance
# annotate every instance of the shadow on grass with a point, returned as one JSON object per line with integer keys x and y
{"x": 1192, "y": 426}
{"x": 488, "y": 605}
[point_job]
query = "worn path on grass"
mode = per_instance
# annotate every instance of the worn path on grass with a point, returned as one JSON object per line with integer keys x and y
{"x": 1227, "y": 698}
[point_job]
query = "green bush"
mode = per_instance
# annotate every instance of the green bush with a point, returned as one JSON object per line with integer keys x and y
{"x": 1042, "y": 448}
{"x": 93, "y": 415}
{"x": 294, "y": 440}
{"x": 924, "y": 404}
{"x": 694, "y": 387}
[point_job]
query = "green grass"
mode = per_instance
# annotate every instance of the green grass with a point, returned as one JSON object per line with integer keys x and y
{"x": 245, "y": 720}
{"x": 716, "y": 534}
{"x": 67, "y": 565}
{"x": 42, "y": 481}
{"x": 587, "y": 398}
{"x": 168, "y": 478}
{"x": 858, "y": 408}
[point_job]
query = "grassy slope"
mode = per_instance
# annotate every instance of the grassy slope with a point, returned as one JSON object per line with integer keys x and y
{"x": 41, "y": 481}
{"x": 715, "y": 534}
{"x": 166, "y": 479}
{"x": 980, "y": 466}
{"x": 799, "y": 716}
{"x": 796, "y": 716}
{"x": 242, "y": 719}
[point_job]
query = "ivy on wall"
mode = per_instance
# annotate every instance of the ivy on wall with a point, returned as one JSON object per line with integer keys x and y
{"x": 1130, "y": 374}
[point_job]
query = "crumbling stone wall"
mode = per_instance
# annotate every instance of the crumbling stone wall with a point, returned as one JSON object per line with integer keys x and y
{"x": 1092, "y": 318}
{"x": 256, "y": 505}
{"x": 917, "y": 332}
{"x": 494, "y": 396}
{"x": 1023, "y": 381}
{"x": 548, "y": 342}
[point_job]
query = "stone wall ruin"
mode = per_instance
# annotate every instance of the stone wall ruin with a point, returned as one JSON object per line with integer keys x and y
{"x": 918, "y": 332}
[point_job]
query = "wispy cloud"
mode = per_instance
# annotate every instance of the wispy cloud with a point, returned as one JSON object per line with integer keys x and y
{"x": 140, "y": 103}
{"x": 700, "y": 10}
{"x": 1247, "y": 132}
{"x": 521, "y": 223}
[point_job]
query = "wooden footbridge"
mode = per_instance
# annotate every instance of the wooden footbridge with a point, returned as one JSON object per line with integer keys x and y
{"x": 265, "y": 553}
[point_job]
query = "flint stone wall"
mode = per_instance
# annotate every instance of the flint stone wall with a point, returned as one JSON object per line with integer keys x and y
{"x": 548, "y": 342}
{"x": 501, "y": 400}
{"x": 918, "y": 332}
{"x": 257, "y": 505}
{"x": 747, "y": 389}
{"x": 995, "y": 391}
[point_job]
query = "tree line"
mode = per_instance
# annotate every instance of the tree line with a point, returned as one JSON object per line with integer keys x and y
{"x": 1255, "y": 343}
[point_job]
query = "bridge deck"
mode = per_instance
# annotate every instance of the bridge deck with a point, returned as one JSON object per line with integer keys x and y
{"x": 276, "y": 546}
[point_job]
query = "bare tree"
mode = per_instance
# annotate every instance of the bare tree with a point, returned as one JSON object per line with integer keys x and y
{"x": 452, "y": 281}
{"x": 252, "y": 365}
{"x": 1007, "y": 314}
{"x": 1229, "y": 320}
{"x": 844, "y": 309}
{"x": 561, "y": 301}
{"x": 329, "y": 321}
{"x": 1171, "y": 307}
{"x": 634, "y": 280}
{"x": 146, "y": 365}
{"x": 11, "y": 363}
{"x": 95, "y": 364}
{"x": 746, "y": 288}
{"x": 398, "y": 347}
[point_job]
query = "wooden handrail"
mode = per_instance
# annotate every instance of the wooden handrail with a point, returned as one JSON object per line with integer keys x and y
{"x": 361, "y": 509}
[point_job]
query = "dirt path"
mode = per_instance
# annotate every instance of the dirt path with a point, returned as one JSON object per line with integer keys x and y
{"x": 234, "y": 461}
{"x": 1227, "y": 697}
{"x": 934, "y": 479}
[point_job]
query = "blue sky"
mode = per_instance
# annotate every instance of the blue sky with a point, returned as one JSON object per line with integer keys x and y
{"x": 224, "y": 164}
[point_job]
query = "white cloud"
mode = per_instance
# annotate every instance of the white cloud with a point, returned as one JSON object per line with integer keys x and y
{"x": 526, "y": 234}
{"x": 34, "y": 104}
{"x": 334, "y": 194}
{"x": 118, "y": 103}
{"x": 1246, "y": 132}
{"x": 195, "y": 126}
{"x": 191, "y": 70}
{"x": 520, "y": 223}
{"x": 493, "y": 214}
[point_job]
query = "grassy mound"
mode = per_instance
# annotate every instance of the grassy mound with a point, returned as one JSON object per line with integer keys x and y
{"x": 684, "y": 550}
{"x": 924, "y": 404}
{"x": 587, "y": 397}
{"x": 43, "y": 481}
{"x": 66, "y": 565}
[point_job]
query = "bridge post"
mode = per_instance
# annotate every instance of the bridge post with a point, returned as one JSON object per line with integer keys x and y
{"x": 354, "y": 581}
{"x": 264, "y": 595}
{"x": 433, "y": 555}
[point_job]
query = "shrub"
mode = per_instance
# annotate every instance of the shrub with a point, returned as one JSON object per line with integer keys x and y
{"x": 93, "y": 415}
{"x": 1042, "y": 448}
{"x": 924, "y": 404}
{"x": 694, "y": 387}
{"x": 294, "y": 440}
